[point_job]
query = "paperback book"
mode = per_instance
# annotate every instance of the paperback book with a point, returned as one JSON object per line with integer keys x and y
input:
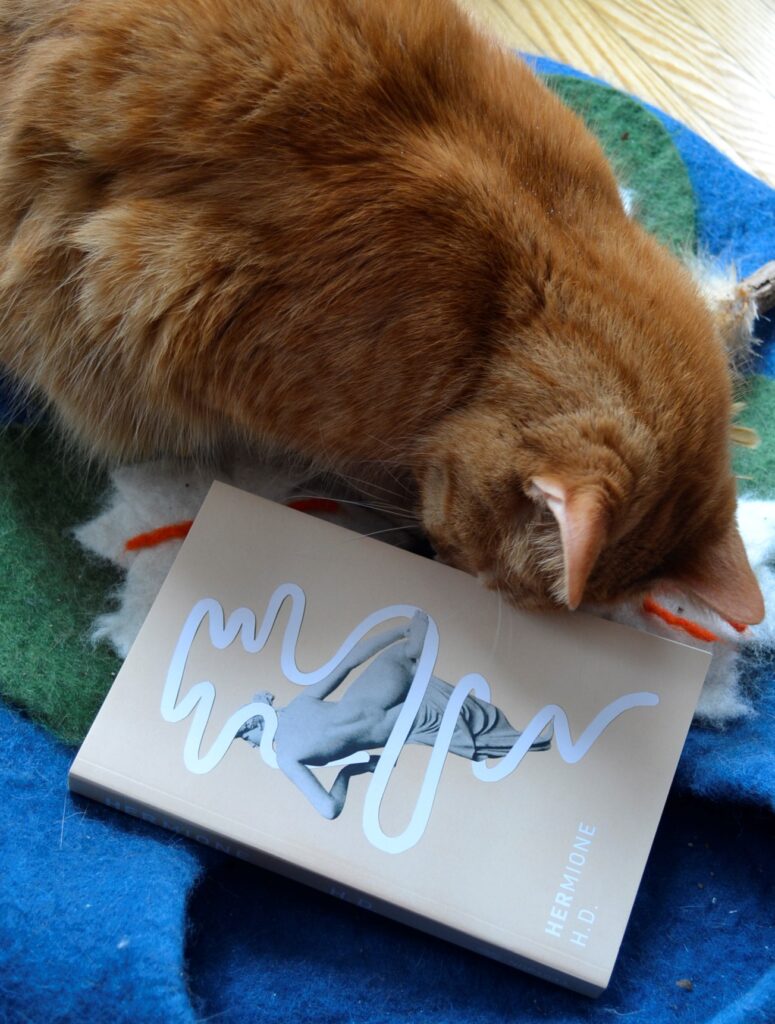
{"x": 380, "y": 726}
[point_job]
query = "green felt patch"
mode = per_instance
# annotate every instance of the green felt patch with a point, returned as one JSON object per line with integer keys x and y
{"x": 756, "y": 466}
{"x": 50, "y": 591}
{"x": 642, "y": 154}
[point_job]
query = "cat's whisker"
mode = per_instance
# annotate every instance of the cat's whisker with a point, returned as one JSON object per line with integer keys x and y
{"x": 364, "y": 484}
{"x": 366, "y": 487}
{"x": 377, "y": 493}
{"x": 389, "y": 529}
{"x": 384, "y": 510}
{"x": 497, "y": 625}
{"x": 391, "y": 509}
{"x": 389, "y": 468}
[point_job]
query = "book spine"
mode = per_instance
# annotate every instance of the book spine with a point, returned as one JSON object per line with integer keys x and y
{"x": 84, "y": 786}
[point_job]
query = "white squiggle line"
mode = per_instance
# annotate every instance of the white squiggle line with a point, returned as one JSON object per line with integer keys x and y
{"x": 569, "y": 751}
{"x": 424, "y": 805}
{"x": 200, "y": 699}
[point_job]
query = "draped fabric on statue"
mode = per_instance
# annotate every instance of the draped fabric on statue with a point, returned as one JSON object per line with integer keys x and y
{"x": 481, "y": 730}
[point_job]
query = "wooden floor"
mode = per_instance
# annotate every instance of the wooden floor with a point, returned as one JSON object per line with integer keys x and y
{"x": 708, "y": 63}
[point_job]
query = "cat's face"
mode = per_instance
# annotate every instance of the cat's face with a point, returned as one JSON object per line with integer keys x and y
{"x": 592, "y": 462}
{"x": 551, "y": 526}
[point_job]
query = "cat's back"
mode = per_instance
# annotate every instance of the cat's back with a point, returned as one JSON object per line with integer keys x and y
{"x": 194, "y": 192}
{"x": 191, "y": 76}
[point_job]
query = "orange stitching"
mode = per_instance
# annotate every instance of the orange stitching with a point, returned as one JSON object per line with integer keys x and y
{"x": 175, "y": 531}
{"x": 698, "y": 632}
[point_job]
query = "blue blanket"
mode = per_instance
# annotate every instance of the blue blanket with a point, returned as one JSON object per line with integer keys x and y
{"x": 103, "y": 918}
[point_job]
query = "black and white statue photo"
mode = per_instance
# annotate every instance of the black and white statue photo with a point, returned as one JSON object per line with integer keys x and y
{"x": 313, "y": 731}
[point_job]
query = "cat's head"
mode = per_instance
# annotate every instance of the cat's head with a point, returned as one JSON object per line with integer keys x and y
{"x": 589, "y": 506}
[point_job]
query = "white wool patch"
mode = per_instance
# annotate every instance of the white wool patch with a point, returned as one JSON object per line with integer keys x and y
{"x": 756, "y": 522}
{"x": 147, "y": 496}
{"x": 135, "y": 596}
{"x": 627, "y": 196}
{"x": 722, "y": 699}
{"x": 150, "y": 495}
{"x": 143, "y": 498}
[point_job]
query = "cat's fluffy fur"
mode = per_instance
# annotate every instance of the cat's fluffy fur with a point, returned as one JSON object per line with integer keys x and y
{"x": 360, "y": 230}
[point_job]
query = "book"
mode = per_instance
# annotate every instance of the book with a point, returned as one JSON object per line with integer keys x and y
{"x": 380, "y": 726}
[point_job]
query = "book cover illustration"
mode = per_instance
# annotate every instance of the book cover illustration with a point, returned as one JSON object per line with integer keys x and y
{"x": 378, "y": 725}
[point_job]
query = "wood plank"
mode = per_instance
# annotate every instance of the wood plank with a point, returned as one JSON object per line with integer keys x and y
{"x": 745, "y": 29}
{"x": 498, "y": 18}
{"x": 664, "y": 51}
{"x": 721, "y": 92}
{"x": 576, "y": 33}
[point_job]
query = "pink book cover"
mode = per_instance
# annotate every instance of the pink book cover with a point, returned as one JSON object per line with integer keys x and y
{"x": 380, "y": 726}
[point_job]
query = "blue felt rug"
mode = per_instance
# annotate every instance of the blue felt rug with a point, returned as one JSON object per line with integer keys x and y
{"x": 105, "y": 919}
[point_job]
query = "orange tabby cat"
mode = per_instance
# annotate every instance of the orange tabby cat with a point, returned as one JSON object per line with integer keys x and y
{"x": 361, "y": 230}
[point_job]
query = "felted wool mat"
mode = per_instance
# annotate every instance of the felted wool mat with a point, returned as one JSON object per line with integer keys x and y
{"x": 103, "y": 918}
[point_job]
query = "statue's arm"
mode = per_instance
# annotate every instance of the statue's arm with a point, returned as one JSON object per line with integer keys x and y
{"x": 328, "y": 804}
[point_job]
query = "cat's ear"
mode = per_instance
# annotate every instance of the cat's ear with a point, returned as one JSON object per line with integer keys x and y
{"x": 583, "y": 520}
{"x": 723, "y": 579}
